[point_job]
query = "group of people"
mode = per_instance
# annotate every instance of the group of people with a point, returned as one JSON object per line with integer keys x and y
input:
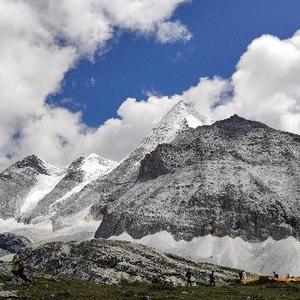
{"x": 190, "y": 278}
{"x": 212, "y": 282}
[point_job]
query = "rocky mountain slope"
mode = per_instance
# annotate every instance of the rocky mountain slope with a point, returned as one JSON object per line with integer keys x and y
{"x": 104, "y": 261}
{"x": 24, "y": 183}
{"x": 32, "y": 190}
{"x": 235, "y": 177}
{"x": 104, "y": 189}
{"x": 79, "y": 174}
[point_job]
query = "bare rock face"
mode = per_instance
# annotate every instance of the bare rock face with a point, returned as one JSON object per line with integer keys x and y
{"x": 235, "y": 177}
{"x": 106, "y": 261}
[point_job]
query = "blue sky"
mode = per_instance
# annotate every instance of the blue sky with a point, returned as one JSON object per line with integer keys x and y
{"x": 133, "y": 66}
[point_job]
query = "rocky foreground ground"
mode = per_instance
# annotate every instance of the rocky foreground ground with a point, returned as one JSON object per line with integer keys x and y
{"x": 109, "y": 262}
{"x": 104, "y": 269}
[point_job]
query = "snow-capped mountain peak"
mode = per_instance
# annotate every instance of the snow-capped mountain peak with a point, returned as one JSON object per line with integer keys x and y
{"x": 181, "y": 117}
{"x": 95, "y": 166}
{"x": 183, "y": 111}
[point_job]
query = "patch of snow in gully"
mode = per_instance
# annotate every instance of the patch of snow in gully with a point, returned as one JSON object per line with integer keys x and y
{"x": 94, "y": 167}
{"x": 265, "y": 257}
{"x": 45, "y": 184}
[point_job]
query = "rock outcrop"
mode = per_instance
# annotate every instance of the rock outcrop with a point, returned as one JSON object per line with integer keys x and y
{"x": 11, "y": 243}
{"x": 106, "y": 261}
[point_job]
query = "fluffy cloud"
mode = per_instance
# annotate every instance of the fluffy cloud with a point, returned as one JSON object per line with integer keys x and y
{"x": 207, "y": 95}
{"x": 40, "y": 40}
{"x": 169, "y": 32}
{"x": 89, "y": 24}
{"x": 32, "y": 66}
{"x": 266, "y": 84}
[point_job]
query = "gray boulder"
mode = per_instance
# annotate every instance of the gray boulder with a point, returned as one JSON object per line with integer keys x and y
{"x": 11, "y": 243}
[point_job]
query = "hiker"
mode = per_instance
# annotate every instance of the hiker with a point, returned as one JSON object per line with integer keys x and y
{"x": 17, "y": 267}
{"x": 241, "y": 276}
{"x": 212, "y": 278}
{"x": 244, "y": 275}
{"x": 275, "y": 275}
{"x": 188, "y": 276}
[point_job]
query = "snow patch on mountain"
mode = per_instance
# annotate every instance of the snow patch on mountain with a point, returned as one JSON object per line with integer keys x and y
{"x": 94, "y": 167}
{"x": 282, "y": 256}
{"x": 44, "y": 185}
{"x": 78, "y": 219}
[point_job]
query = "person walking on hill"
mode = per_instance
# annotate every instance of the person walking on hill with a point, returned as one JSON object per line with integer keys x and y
{"x": 212, "y": 281}
{"x": 241, "y": 276}
{"x": 17, "y": 267}
{"x": 188, "y": 276}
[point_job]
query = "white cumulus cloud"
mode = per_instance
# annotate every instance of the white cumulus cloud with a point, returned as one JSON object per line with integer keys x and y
{"x": 169, "y": 32}
{"x": 266, "y": 84}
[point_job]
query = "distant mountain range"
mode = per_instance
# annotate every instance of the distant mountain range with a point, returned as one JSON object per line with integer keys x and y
{"x": 33, "y": 190}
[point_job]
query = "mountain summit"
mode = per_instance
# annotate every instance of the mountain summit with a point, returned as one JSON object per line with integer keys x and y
{"x": 80, "y": 173}
{"x": 181, "y": 117}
